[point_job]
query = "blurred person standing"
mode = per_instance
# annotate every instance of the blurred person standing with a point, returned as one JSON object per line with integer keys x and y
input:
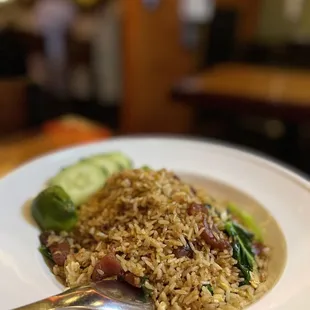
{"x": 53, "y": 18}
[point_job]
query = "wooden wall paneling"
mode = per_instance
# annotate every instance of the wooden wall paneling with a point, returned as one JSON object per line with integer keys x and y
{"x": 154, "y": 60}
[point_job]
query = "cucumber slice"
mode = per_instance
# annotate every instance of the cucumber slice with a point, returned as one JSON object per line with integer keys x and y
{"x": 110, "y": 167}
{"x": 80, "y": 181}
{"x": 110, "y": 162}
{"x": 121, "y": 159}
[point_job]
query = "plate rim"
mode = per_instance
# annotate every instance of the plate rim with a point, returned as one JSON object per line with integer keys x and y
{"x": 257, "y": 156}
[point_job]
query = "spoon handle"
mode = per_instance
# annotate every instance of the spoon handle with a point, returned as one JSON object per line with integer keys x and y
{"x": 77, "y": 297}
{"x": 87, "y": 298}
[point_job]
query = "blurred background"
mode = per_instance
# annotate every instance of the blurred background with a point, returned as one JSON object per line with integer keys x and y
{"x": 74, "y": 71}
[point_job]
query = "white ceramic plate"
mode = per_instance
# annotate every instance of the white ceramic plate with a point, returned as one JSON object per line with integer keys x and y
{"x": 251, "y": 180}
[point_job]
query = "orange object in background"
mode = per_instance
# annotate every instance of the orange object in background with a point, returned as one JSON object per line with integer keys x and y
{"x": 72, "y": 129}
{"x": 55, "y": 134}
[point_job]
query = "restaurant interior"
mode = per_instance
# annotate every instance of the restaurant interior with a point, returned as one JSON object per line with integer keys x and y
{"x": 232, "y": 71}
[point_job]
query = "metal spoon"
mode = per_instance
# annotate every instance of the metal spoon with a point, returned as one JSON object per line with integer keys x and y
{"x": 105, "y": 295}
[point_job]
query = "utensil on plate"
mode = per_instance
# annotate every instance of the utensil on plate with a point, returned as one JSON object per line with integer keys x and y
{"x": 105, "y": 295}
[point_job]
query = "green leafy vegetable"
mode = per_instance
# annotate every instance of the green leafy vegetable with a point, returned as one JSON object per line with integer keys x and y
{"x": 242, "y": 249}
{"x": 209, "y": 287}
{"x": 54, "y": 210}
{"x": 146, "y": 168}
{"x": 147, "y": 293}
{"x": 46, "y": 252}
{"x": 246, "y": 220}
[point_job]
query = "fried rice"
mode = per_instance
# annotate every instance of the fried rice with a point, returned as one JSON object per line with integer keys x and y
{"x": 141, "y": 217}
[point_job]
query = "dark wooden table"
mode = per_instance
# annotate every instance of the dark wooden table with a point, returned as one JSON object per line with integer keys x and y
{"x": 231, "y": 90}
{"x": 268, "y": 91}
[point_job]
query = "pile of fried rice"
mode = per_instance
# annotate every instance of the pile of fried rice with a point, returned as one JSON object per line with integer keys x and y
{"x": 149, "y": 228}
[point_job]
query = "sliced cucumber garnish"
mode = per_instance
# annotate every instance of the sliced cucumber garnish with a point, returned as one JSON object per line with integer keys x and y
{"x": 85, "y": 178}
{"x": 111, "y": 162}
{"x": 109, "y": 166}
{"x": 121, "y": 159}
{"x": 80, "y": 181}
